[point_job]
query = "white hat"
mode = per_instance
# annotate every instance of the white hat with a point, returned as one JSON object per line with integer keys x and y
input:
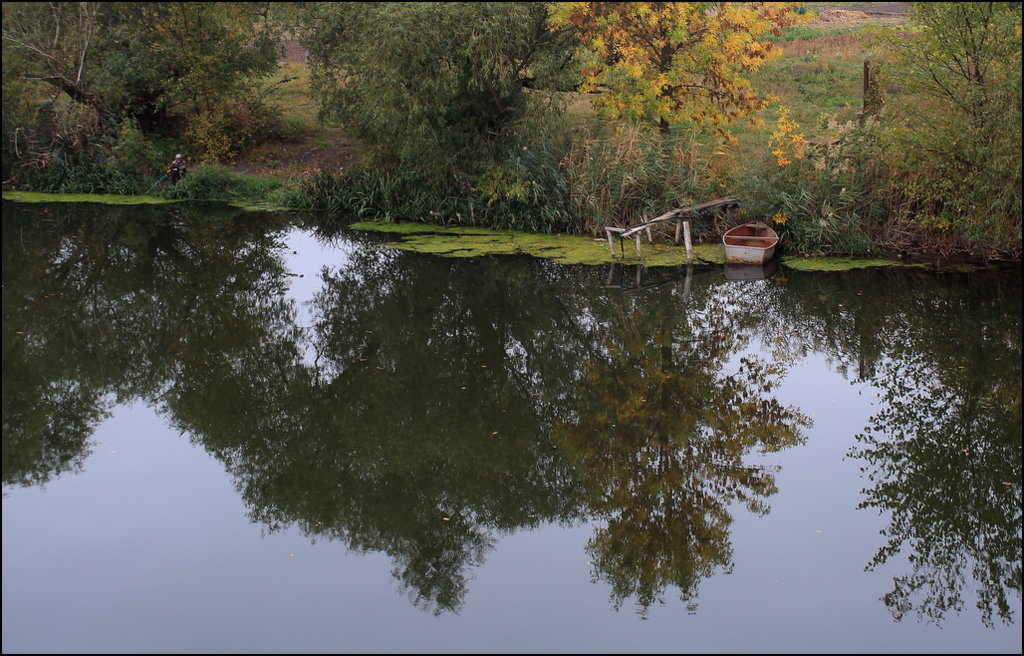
{"x": 178, "y": 156}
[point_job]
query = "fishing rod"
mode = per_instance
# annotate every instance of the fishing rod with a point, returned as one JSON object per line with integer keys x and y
{"x": 156, "y": 183}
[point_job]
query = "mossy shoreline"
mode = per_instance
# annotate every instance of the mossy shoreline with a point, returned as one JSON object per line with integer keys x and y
{"x": 472, "y": 241}
{"x": 114, "y": 199}
{"x": 104, "y": 199}
{"x": 466, "y": 241}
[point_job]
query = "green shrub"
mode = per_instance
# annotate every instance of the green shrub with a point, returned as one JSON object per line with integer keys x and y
{"x": 65, "y": 148}
{"x": 214, "y": 182}
{"x": 132, "y": 154}
{"x": 223, "y": 130}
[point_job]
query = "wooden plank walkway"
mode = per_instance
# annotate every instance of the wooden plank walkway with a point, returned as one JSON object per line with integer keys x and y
{"x": 681, "y": 216}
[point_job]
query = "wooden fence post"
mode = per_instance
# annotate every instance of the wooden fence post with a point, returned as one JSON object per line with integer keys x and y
{"x": 872, "y": 101}
{"x": 867, "y": 85}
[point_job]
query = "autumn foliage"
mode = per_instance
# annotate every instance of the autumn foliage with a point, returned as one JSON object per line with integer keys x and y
{"x": 674, "y": 62}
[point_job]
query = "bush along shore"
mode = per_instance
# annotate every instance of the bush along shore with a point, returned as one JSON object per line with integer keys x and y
{"x": 851, "y": 140}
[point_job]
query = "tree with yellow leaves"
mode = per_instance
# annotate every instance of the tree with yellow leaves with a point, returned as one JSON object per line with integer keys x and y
{"x": 670, "y": 62}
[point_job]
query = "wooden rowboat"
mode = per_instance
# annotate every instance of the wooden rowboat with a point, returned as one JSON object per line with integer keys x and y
{"x": 750, "y": 243}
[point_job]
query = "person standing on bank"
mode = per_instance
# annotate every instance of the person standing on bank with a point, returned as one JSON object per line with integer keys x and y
{"x": 177, "y": 170}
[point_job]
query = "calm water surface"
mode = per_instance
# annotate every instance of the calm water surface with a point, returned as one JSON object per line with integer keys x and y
{"x": 237, "y": 432}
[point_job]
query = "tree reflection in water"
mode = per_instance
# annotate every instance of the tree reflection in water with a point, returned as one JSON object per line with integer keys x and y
{"x": 944, "y": 450}
{"x": 660, "y": 431}
{"x": 450, "y": 402}
{"x": 104, "y": 306}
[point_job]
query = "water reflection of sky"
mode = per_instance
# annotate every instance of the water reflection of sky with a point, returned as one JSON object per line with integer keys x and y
{"x": 306, "y": 256}
{"x": 149, "y": 549}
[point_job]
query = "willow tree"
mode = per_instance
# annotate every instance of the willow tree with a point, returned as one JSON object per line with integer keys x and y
{"x": 431, "y": 85}
{"x": 74, "y": 71}
{"x": 674, "y": 62}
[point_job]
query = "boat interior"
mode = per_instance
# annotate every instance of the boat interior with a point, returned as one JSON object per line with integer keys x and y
{"x": 757, "y": 235}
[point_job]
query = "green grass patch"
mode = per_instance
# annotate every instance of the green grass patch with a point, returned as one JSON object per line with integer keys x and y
{"x": 111, "y": 199}
{"x": 215, "y": 182}
{"x": 289, "y": 91}
{"x": 106, "y": 199}
{"x": 459, "y": 241}
{"x": 803, "y": 32}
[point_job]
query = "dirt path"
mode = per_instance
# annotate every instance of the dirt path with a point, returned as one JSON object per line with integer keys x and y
{"x": 326, "y": 148}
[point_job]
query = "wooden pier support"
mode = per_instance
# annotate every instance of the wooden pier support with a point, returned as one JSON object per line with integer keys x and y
{"x": 689, "y": 244}
{"x": 681, "y": 216}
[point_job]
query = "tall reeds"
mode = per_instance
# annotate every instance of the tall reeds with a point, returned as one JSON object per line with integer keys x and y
{"x": 600, "y": 178}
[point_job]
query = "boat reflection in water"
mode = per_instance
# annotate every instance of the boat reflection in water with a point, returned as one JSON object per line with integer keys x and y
{"x": 735, "y": 271}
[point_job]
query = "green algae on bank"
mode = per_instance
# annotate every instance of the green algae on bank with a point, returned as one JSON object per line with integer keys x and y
{"x": 257, "y": 206}
{"x": 106, "y": 199}
{"x": 461, "y": 241}
{"x": 113, "y": 199}
{"x": 837, "y": 263}
{"x": 846, "y": 263}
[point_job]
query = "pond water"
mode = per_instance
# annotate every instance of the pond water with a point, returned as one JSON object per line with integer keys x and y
{"x": 245, "y": 432}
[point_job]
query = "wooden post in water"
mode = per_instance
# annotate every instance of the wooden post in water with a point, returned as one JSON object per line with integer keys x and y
{"x": 689, "y": 244}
